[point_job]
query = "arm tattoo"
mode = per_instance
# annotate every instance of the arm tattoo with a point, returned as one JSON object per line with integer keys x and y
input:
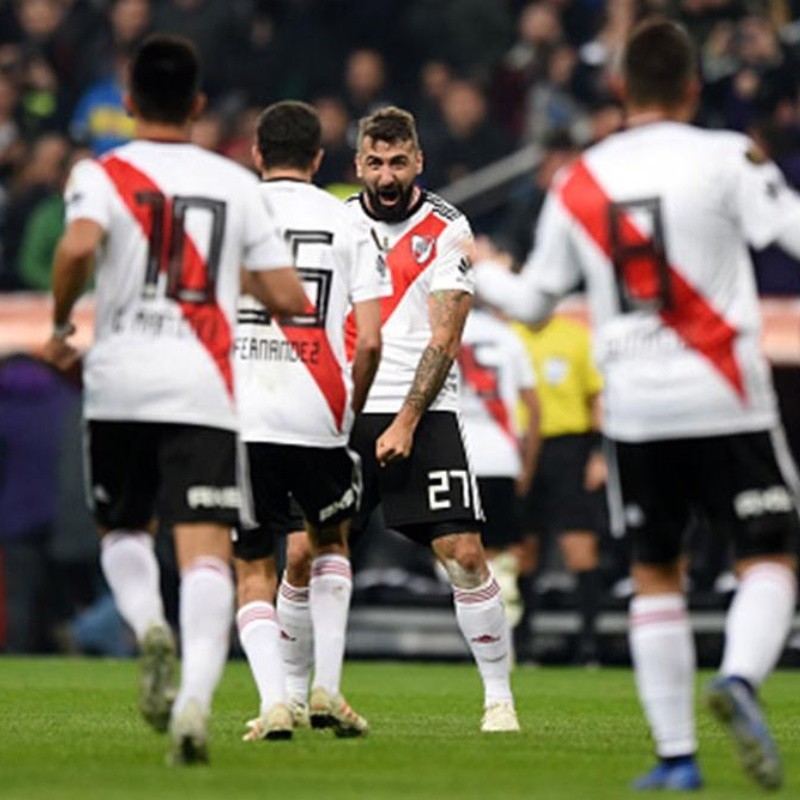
{"x": 429, "y": 378}
{"x": 448, "y": 312}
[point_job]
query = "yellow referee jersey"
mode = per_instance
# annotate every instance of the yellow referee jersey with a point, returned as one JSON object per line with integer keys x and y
{"x": 566, "y": 378}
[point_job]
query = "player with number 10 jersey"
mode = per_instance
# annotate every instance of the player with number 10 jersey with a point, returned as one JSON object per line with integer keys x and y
{"x": 177, "y": 221}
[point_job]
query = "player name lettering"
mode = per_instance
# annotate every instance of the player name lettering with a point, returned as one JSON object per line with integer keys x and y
{"x": 254, "y": 348}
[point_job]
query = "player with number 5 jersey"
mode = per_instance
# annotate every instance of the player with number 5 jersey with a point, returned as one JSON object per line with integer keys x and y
{"x": 167, "y": 227}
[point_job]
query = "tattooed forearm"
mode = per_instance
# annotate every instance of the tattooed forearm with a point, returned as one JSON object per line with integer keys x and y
{"x": 429, "y": 378}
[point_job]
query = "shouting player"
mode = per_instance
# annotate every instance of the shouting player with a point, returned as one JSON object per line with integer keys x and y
{"x": 169, "y": 226}
{"x": 409, "y": 435}
{"x": 298, "y": 397}
{"x": 657, "y": 220}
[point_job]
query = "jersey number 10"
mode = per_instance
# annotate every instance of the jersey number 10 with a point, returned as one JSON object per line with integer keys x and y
{"x": 167, "y": 247}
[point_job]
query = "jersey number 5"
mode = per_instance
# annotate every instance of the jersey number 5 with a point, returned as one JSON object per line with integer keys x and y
{"x": 641, "y": 267}
{"x": 167, "y": 247}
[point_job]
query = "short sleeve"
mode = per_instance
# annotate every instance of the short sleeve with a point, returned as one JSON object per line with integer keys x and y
{"x": 88, "y": 194}
{"x": 592, "y": 379}
{"x": 452, "y": 270}
{"x": 264, "y": 248}
{"x": 370, "y": 277}
{"x": 765, "y": 205}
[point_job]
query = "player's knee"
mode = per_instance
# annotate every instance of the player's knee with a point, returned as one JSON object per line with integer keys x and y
{"x": 298, "y": 559}
{"x": 464, "y": 560}
{"x": 255, "y": 580}
{"x": 331, "y": 539}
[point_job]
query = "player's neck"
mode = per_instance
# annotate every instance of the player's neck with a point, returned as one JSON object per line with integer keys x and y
{"x": 162, "y": 132}
{"x": 286, "y": 174}
{"x": 637, "y": 116}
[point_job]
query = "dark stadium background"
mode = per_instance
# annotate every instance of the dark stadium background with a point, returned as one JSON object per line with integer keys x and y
{"x": 502, "y": 90}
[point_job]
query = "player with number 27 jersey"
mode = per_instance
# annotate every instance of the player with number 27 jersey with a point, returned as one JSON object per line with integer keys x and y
{"x": 168, "y": 279}
{"x": 676, "y": 316}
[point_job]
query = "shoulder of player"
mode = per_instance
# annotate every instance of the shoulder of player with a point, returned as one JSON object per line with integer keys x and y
{"x": 441, "y": 207}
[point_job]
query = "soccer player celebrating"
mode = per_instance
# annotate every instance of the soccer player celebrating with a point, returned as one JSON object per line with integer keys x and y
{"x": 409, "y": 434}
{"x": 657, "y": 220}
{"x": 169, "y": 226}
{"x": 298, "y": 396}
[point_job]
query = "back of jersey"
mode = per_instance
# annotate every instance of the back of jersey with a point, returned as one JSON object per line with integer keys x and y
{"x": 292, "y": 375}
{"x": 658, "y": 219}
{"x": 494, "y": 369}
{"x": 179, "y": 223}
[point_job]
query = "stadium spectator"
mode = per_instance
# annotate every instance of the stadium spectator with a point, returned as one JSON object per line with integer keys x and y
{"x": 101, "y": 120}
{"x": 472, "y": 139}
{"x": 337, "y": 171}
{"x": 38, "y": 179}
{"x": 159, "y": 384}
{"x": 435, "y": 79}
{"x": 296, "y": 429}
{"x": 365, "y": 85}
{"x": 689, "y": 403}
{"x": 43, "y": 229}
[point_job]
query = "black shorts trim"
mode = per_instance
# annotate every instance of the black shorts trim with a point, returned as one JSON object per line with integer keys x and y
{"x": 734, "y": 481}
{"x": 182, "y": 473}
{"x": 435, "y": 485}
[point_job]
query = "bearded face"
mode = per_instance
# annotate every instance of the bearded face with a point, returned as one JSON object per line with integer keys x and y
{"x": 388, "y": 171}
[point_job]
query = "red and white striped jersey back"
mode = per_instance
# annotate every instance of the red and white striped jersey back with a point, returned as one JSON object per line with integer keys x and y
{"x": 422, "y": 254}
{"x": 494, "y": 369}
{"x": 179, "y": 223}
{"x": 293, "y": 377}
{"x": 658, "y": 219}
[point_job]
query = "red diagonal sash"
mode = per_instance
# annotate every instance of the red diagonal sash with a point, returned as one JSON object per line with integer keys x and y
{"x": 484, "y": 382}
{"x": 404, "y": 268}
{"x": 323, "y": 366}
{"x": 692, "y": 317}
{"x": 206, "y": 320}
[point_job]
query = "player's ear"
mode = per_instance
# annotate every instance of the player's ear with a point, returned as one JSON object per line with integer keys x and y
{"x": 129, "y": 104}
{"x": 315, "y": 164}
{"x": 198, "y": 106}
{"x": 420, "y": 162}
{"x": 357, "y": 162}
{"x": 255, "y": 154}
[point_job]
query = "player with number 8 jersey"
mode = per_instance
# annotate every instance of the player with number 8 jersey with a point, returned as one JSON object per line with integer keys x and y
{"x": 658, "y": 219}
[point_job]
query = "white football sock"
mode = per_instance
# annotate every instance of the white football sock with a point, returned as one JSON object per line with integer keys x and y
{"x": 296, "y": 638}
{"x": 483, "y": 624}
{"x": 207, "y": 600}
{"x": 129, "y": 563}
{"x": 257, "y": 624}
{"x": 329, "y": 602}
{"x": 662, "y": 649}
{"x": 758, "y": 622}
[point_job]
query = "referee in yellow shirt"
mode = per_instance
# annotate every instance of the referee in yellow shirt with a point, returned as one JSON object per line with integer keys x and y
{"x": 563, "y": 499}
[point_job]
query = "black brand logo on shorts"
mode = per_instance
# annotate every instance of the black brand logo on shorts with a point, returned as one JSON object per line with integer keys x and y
{"x": 212, "y": 497}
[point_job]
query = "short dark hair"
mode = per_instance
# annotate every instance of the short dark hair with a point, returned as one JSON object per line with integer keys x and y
{"x": 288, "y": 134}
{"x": 659, "y": 63}
{"x": 389, "y": 124}
{"x": 164, "y": 79}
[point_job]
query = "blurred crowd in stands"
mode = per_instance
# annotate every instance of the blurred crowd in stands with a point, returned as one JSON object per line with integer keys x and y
{"x": 483, "y": 77}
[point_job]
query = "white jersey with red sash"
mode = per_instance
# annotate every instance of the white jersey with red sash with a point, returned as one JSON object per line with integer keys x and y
{"x": 658, "y": 220}
{"x": 494, "y": 369}
{"x": 423, "y": 253}
{"x": 179, "y": 223}
{"x": 293, "y": 377}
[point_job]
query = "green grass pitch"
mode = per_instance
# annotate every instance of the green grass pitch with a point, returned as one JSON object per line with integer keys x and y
{"x": 69, "y": 731}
